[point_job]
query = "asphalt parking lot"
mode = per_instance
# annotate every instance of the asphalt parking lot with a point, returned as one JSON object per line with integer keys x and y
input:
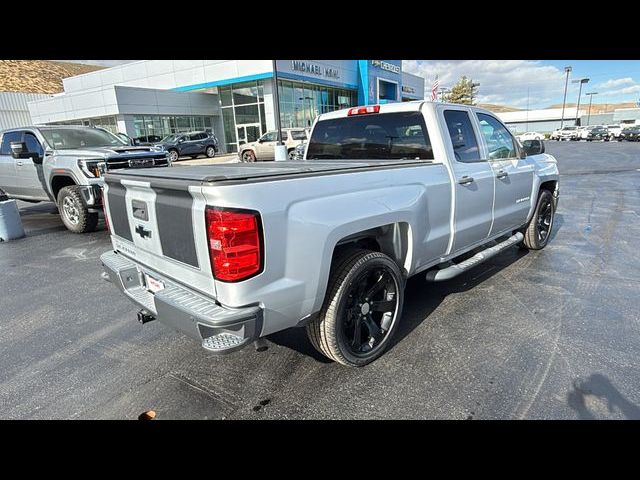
{"x": 553, "y": 334}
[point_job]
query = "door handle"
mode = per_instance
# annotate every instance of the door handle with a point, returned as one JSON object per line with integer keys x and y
{"x": 502, "y": 174}
{"x": 466, "y": 179}
{"x": 19, "y": 164}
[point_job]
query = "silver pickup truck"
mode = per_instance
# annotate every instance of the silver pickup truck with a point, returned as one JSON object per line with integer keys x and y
{"x": 231, "y": 253}
{"x": 65, "y": 164}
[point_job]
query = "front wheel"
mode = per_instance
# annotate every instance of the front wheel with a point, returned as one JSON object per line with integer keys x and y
{"x": 538, "y": 230}
{"x": 211, "y": 152}
{"x": 248, "y": 156}
{"x": 292, "y": 154}
{"x": 74, "y": 212}
{"x": 173, "y": 155}
{"x": 361, "y": 310}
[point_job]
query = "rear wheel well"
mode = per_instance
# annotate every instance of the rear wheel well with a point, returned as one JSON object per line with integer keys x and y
{"x": 393, "y": 240}
{"x": 58, "y": 183}
{"x": 551, "y": 185}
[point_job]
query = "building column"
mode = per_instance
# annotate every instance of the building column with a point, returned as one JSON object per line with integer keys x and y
{"x": 268, "y": 104}
{"x": 126, "y": 125}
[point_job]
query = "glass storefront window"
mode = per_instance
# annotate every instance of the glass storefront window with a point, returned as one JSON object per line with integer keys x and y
{"x": 225, "y": 96}
{"x": 247, "y": 114}
{"x": 245, "y": 93}
{"x": 263, "y": 118}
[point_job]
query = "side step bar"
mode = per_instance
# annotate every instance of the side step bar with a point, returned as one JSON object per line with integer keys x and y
{"x": 455, "y": 270}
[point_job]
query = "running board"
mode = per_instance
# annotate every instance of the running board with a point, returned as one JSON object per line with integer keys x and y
{"x": 457, "y": 269}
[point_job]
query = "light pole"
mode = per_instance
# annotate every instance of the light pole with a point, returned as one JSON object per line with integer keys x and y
{"x": 567, "y": 70}
{"x": 591, "y": 94}
{"x": 581, "y": 81}
{"x": 280, "y": 149}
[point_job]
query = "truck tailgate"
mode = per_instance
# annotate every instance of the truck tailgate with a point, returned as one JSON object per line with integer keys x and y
{"x": 162, "y": 227}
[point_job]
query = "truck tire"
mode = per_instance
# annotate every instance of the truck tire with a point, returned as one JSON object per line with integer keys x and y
{"x": 74, "y": 212}
{"x": 361, "y": 310}
{"x": 538, "y": 230}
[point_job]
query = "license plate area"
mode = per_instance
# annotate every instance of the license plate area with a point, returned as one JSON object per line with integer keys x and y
{"x": 153, "y": 285}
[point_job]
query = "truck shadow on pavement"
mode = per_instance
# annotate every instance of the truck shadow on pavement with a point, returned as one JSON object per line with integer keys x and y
{"x": 588, "y": 394}
{"x": 423, "y": 297}
{"x": 420, "y": 300}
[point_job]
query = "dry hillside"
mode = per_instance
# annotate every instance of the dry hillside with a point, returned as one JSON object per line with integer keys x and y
{"x": 598, "y": 107}
{"x": 498, "y": 108}
{"x": 38, "y": 76}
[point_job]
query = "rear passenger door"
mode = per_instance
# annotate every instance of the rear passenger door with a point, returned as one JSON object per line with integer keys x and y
{"x": 8, "y": 163}
{"x": 473, "y": 179}
{"x": 30, "y": 174}
{"x": 514, "y": 176}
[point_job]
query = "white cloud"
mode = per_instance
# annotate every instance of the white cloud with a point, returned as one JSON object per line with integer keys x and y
{"x": 622, "y": 91}
{"x": 617, "y": 82}
{"x": 504, "y": 82}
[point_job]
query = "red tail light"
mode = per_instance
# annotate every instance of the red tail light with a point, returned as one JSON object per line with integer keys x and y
{"x": 235, "y": 243}
{"x": 363, "y": 110}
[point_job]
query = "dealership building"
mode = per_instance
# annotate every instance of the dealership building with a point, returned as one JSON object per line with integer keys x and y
{"x": 232, "y": 98}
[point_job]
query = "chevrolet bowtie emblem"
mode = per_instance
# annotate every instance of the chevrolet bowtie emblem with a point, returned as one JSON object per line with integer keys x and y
{"x": 140, "y": 230}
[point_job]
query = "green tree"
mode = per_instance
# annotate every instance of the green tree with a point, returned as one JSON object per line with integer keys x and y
{"x": 464, "y": 92}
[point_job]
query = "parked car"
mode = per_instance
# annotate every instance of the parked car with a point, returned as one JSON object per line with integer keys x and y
{"x": 231, "y": 253}
{"x": 66, "y": 164}
{"x": 531, "y": 136}
{"x": 597, "y": 133}
{"x": 614, "y": 131}
{"x": 147, "y": 140}
{"x": 583, "y": 132}
{"x": 264, "y": 148}
{"x": 298, "y": 153}
{"x": 190, "y": 144}
{"x": 631, "y": 134}
{"x": 565, "y": 133}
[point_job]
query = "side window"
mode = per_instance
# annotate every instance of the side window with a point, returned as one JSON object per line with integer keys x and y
{"x": 33, "y": 145}
{"x": 499, "y": 141}
{"x": 270, "y": 137}
{"x": 463, "y": 138}
{"x": 285, "y": 136}
{"x": 7, "y": 138}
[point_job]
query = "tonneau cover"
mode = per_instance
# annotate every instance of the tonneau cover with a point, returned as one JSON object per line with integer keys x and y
{"x": 242, "y": 171}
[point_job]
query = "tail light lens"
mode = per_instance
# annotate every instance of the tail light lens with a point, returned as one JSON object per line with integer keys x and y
{"x": 235, "y": 243}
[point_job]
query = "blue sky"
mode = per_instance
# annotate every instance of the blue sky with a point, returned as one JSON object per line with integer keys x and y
{"x": 538, "y": 83}
{"x": 522, "y": 83}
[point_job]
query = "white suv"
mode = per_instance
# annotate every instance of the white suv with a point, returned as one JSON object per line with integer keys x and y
{"x": 565, "y": 133}
{"x": 264, "y": 148}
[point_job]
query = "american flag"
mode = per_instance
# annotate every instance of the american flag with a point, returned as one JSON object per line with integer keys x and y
{"x": 434, "y": 89}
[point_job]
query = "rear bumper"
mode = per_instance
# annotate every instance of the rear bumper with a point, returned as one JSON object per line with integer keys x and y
{"x": 219, "y": 329}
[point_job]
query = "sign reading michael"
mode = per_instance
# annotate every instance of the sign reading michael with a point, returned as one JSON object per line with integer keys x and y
{"x": 315, "y": 69}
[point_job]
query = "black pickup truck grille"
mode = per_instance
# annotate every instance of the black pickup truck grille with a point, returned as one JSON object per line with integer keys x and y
{"x": 120, "y": 162}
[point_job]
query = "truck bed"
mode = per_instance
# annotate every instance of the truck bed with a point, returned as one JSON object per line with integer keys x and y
{"x": 243, "y": 172}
